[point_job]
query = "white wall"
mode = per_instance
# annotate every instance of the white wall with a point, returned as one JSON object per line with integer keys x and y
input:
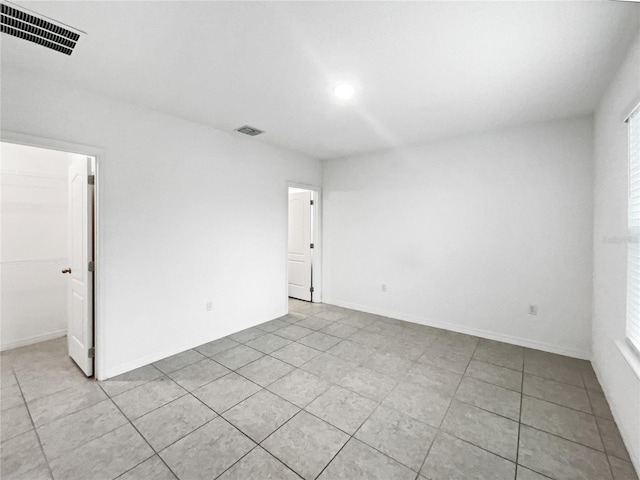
{"x": 467, "y": 232}
{"x": 187, "y": 214}
{"x": 33, "y": 222}
{"x": 621, "y": 385}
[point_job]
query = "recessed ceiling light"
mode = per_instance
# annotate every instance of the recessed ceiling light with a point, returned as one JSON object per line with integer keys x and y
{"x": 344, "y": 91}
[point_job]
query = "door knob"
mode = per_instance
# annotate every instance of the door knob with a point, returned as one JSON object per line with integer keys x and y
{"x": 66, "y": 270}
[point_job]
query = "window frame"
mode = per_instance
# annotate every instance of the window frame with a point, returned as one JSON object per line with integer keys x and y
{"x": 633, "y": 232}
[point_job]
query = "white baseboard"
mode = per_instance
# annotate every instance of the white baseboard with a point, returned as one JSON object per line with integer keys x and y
{"x": 31, "y": 340}
{"x": 141, "y": 362}
{"x": 523, "y": 342}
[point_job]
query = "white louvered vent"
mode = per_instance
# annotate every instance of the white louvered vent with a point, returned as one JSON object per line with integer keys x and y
{"x": 633, "y": 256}
{"x": 37, "y": 30}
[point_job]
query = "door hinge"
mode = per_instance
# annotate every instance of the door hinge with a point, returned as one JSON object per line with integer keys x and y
{"x": 311, "y": 289}
{"x": 311, "y": 202}
{"x": 91, "y": 180}
{"x": 311, "y": 246}
{"x": 92, "y": 266}
{"x": 92, "y": 352}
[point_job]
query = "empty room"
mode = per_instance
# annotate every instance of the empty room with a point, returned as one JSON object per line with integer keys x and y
{"x": 319, "y": 240}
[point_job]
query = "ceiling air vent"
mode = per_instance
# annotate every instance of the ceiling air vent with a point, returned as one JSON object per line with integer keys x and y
{"x": 37, "y": 30}
{"x": 247, "y": 130}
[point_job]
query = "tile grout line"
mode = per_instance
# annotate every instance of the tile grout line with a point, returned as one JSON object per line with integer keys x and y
{"x": 143, "y": 438}
{"x": 537, "y": 398}
{"x": 565, "y": 439}
{"x": 606, "y": 455}
{"x": 520, "y": 417}
{"x": 446, "y": 412}
{"x": 247, "y": 454}
{"x": 103, "y": 382}
{"x": 35, "y": 430}
{"x": 351, "y": 436}
{"x": 68, "y": 414}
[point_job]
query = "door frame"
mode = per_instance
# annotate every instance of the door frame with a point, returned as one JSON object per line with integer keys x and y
{"x": 316, "y": 239}
{"x": 98, "y": 155}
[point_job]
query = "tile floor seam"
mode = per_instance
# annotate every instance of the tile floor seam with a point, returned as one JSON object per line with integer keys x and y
{"x": 484, "y": 409}
{"x": 159, "y": 406}
{"x": 383, "y": 453}
{"x": 74, "y": 411}
{"x": 253, "y": 395}
{"x": 328, "y": 423}
{"x": 533, "y": 396}
{"x": 65, "y": 452}
{"x": 238, "y": 373}
{"x": 291, "y": 364}
{"x": 557, "y": 381}
{"x": 101, "y": 382}
{"x": 603, "y": 445}
{"x": 136, "y": 466}
{"x": 278, "y": 428}
{"x": 35, "y": 431}
{"x": 261, "y": 388}
{"x": 522, "y": 395}
{"x": 192, "y": 364}
{"x": 583, "y": 387}
{"x": 446, "y": 412}
{"x": 157, "y": 452}
{"x": 324, "y": 421}
{"x": 561, "y": 405}
{"x": 495, "y": 384}
{"x": 353, "y": 435}
{"x": 498, "y": 364}
{"x": 168, "y": 403}
{"x": 534, "y": 470}
{"x": 592, "y": 409}
{"x": 565, "y": 439}
{"x": 47, "y": 395}
{"x": 23, "y": 432}
{"x": 146, "y": 441}
{"x": 333, "y": 458}
{"x": 246, "y": 454}
{"x": 519, "y": 420}
{"x": 569, "y": 439}
{"x": 477, "y": 446}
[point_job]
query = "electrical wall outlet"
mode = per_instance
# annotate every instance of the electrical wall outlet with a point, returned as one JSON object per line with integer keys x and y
{"x": 533, "y": 309}
{"x": 209, "y": 305}
{"x": 383, "y": 287}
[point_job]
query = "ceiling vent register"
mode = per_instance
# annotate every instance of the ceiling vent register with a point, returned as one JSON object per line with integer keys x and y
{"x": 37, "y": 30}
{"x": 247, "y": 130}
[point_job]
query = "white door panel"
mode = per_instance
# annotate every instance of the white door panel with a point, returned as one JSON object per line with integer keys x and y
{"x": 80, "y": 282}
{"x": 299, "y": 254}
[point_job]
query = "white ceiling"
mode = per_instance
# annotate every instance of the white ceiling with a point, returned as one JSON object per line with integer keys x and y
{"x": 422, "y": 70}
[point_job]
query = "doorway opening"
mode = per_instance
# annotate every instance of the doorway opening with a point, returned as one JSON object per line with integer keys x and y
{"x": 303, "y": 253}
{"x": 48, "y": 209}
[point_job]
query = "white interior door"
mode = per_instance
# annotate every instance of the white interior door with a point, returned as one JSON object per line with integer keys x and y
{"x": 299, "y": 255}
{"x": 80, "y": 282}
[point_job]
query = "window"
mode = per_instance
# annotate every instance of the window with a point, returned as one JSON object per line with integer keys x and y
{"x": 633, "y": 242}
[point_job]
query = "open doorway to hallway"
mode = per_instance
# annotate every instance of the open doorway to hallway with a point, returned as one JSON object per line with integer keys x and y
{"x": 300, "y": 244}
{"x": 47, "y": 258}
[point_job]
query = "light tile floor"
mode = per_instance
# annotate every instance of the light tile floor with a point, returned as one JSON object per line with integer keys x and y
{"x": 323, "y": 392}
